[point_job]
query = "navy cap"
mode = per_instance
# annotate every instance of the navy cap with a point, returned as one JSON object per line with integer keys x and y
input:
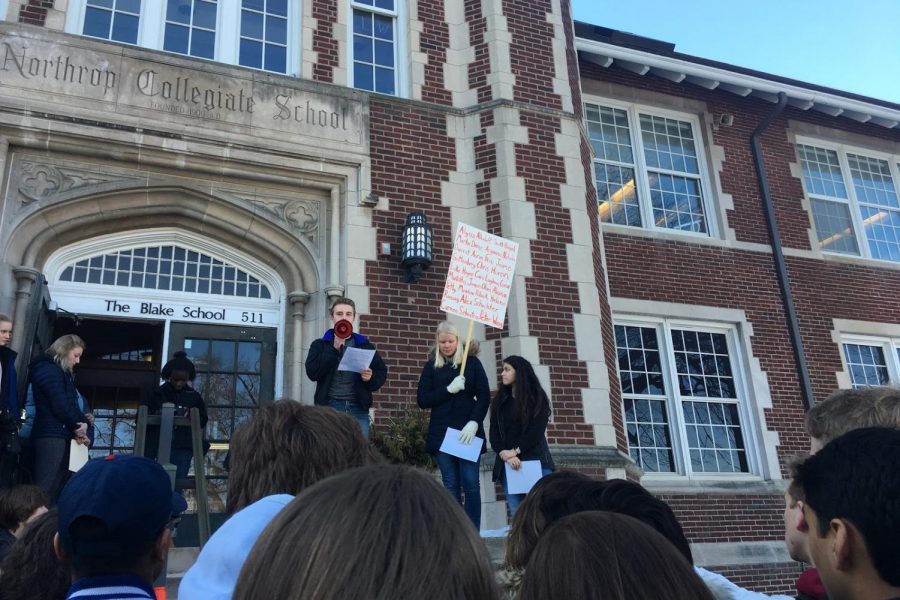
{"x": 132, "y": 497}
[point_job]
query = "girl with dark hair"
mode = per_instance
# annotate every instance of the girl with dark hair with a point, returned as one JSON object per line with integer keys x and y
{"x": 519, "y": 416}
{"x": 60, "y": 414}
{"x": 31, "y": 569}
{"x": 459, "y": 401}
{"x": 377, "y": 532}
{"x": 598, "y": 555}
{"x": 179, "y": 373}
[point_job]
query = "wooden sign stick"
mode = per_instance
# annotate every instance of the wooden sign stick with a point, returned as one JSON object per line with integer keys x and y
{"x": 462, "y": 368}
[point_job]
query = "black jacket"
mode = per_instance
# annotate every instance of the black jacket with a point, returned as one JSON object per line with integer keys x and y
{"x": 55, "y": 399}
{"x": 507, "y": 432}
{"x": 184, "y": 400}
{"x": 322, "y": 363}
{"x": 453, "y": 410}
{"x": 9, "y": 399}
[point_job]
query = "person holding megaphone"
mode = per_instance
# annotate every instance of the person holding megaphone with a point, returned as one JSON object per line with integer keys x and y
{"x": 345, "y": 391}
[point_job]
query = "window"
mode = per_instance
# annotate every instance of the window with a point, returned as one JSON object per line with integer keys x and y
{"x": 872, "y": 361}
{"x": 262, "y": 34}
{"x": 862, "y": 218}
{"x": 375, "y": 45}
{"x": 172, "y": 268}
{"x": 682, "y": 401}
{"x": 648, "y": 169}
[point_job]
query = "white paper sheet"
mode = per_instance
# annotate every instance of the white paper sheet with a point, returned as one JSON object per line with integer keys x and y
{"x": 521, "y": 481}
{"x": 78, "y": 455}
{"x": 454, "y": 447}
{"x": 356, "y": 359}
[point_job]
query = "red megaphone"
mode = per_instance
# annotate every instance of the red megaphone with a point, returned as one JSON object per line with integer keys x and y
{"x": 343, "y": 329}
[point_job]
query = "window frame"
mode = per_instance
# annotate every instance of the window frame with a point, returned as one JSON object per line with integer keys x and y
{"x": 634, "y": 111}
{"x": 151, "y": 32}
{"x": 677, "y": 427}
{"x": 401, "y": 66}
{"x": 852, "y": 200}
{"x": 889, "y": 346}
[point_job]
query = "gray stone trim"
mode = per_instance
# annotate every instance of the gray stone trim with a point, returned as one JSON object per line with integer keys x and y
{"x": 750, "y": 487}
{"x": 732, "y": 554}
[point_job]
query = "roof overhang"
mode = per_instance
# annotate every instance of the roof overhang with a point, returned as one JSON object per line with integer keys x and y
{"x": 709, "y": 77}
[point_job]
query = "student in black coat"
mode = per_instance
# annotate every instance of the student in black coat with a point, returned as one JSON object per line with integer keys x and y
{"x": 178, "y": 373}
{"x": 459, "y": 401}
{"x": 519, "y": 416}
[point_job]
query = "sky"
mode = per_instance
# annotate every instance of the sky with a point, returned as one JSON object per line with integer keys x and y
{"x": 849, "y": 45}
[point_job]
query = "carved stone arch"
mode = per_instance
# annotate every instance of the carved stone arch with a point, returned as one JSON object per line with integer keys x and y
{"x": 239, "y": 225}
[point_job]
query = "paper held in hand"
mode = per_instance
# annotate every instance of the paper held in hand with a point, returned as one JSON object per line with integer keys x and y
{"x": 480, "y": 276}
{"x": 454, "y": 447}
{"x": 356, "y": 359}
{"x": 521, "y": 481}
{"x": 78, "y": 455}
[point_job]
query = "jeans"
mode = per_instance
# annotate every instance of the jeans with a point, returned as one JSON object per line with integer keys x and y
{"x": 514, "y": 500}
{"x": 181, "y": 458}
{"x": 458, "y": 473}
{"x": 354, "y": 410}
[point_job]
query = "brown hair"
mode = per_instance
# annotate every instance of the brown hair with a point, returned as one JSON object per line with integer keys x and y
{"x": 845, "y": 410}
{"x": 59, "y": 350}
{"x": 380, "y": 532}
{"x": 5, "y": 318}
{"x": 18, "y": 503}
{"x": 608, "y": 556}
{"x": 31, "y": 569}
{"x": 342, "y": 300}
{"x": 289, "y": 446}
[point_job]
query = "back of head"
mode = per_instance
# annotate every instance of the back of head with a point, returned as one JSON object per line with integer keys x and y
{"x": 379, "y": 532}
{"x": 31, "y": 569}
{"x": 628, "y": 498}
{"x": 289, "y": 446}
{"x": 608, "y": 556}
{"x": 18, "y": 503}
{"x": 846, "y": 410}
{"x": 113, "y": 512}
{"x": 548, "y": 501}
{"x": 856, "y": 478}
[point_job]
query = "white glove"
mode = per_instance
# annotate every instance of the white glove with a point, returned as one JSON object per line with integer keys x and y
{"x": 468, "y": 432}
{"x": 457, "y": 385}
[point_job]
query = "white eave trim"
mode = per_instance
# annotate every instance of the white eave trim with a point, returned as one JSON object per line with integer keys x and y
{"x": 675, "y": 69}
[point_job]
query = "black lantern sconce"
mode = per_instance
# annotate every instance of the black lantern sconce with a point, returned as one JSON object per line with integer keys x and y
{"x": 417, "y": 246}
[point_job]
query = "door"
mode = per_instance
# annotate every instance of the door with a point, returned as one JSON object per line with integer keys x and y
{"x": 235, "y": 376}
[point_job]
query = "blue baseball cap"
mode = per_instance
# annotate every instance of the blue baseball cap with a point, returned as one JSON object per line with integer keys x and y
{"x": 130, "y": 495}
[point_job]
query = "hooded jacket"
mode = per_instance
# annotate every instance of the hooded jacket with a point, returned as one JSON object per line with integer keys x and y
{"x": 453, "y": 410}
{"x": 322, "y": 363}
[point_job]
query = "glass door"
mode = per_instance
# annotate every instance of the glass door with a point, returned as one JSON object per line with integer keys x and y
{"x": 235, "y": 376}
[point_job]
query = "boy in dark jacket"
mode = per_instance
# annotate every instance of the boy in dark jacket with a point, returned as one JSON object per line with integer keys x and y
{"x": 345, "y": 391}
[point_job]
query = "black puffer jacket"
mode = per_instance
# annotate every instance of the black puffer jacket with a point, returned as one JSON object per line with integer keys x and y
{"x": 453, "y": 410}
{"x": 507, "y": 432}
{"x": 55, "y": 399}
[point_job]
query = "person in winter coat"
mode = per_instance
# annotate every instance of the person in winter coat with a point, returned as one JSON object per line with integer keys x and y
{"x": 59, "y": 416}
{"x": 345, "y": 391}
{"x": 179, "y": 372}
{"x": 459, "y": 401}
{"x": 519, "y": 416}
{"x": 9, "y": 406}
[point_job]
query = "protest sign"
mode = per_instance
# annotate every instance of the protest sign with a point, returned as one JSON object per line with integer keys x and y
{"x": 480, "y": 276}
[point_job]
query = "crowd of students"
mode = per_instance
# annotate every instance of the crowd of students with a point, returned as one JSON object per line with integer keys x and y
{"x": 315, "y": 514}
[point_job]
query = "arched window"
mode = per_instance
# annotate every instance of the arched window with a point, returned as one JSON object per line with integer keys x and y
{"x": 168, "y": 267}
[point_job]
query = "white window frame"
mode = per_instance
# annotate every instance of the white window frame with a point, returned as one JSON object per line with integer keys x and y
{"x": 634, "y": 111}
{"x": 401, "y": 70}
{"x": 677, "y": 427}
{"x": 851, "y": 201}
{"x": 151, "y": 31}
{"x": 889, "y": 346}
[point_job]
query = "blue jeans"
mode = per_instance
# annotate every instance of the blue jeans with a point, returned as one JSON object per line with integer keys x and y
{"x": 514, "y": 500}
{"x": 458, "y": 473}
{"x": 354, "y": 410}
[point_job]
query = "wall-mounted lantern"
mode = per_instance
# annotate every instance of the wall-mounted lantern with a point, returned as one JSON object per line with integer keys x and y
{"x": 417, "y": 246}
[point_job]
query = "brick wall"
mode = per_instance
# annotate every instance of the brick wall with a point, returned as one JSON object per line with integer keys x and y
{"x": 35, "y": 12}
{"x": 323, "y": 42}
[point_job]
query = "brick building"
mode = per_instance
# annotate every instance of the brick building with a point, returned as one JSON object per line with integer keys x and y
{"x": 207, "y": 175}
